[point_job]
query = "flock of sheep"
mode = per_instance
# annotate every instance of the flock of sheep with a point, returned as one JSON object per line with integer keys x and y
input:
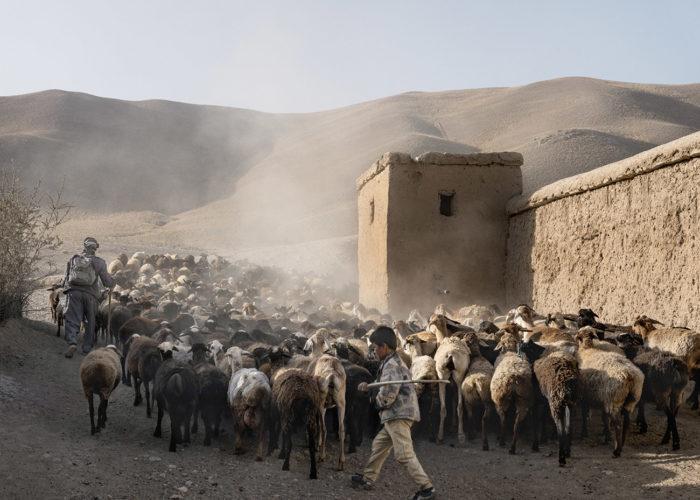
{"x": 210, "y": 338}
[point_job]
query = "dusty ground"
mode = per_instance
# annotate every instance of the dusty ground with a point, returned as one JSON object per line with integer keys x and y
{"x": 47, "y": 451}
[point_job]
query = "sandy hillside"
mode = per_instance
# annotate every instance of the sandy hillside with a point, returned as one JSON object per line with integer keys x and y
{"x": 239, "y": 181}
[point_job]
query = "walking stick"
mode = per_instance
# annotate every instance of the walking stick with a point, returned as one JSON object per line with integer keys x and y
{"x": 109, "y": 315}
{"x": 395, "y": 382}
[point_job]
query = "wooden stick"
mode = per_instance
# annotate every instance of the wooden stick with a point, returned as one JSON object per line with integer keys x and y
{"x": 395, "y": 382}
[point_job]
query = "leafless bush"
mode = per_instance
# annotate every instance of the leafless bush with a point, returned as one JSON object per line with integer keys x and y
{"x": 28, "y": 220}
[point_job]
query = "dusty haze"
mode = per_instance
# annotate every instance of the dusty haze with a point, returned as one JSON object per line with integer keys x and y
{"x": 281, "y": 187}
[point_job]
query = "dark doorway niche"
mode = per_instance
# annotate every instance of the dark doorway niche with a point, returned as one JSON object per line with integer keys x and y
{"x": 447, "y": 203}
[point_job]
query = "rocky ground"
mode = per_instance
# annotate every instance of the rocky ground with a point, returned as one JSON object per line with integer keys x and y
{"x": 47, "y": 451}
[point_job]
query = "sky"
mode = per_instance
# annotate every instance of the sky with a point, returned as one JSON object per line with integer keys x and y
{"x": 302, "y": 55}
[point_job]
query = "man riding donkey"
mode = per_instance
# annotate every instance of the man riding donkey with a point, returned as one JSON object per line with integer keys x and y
{"x": 398, "y": 406}
{"x": 81, "y": 284}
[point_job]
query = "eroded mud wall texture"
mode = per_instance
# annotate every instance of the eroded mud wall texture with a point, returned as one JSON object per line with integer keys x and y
{"x": 623, "y": 240}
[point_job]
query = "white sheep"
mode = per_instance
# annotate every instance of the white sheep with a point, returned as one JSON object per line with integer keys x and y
{"x": 451, "y": 363}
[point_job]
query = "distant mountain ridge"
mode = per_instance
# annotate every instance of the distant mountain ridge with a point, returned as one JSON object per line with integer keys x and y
{"x": 235, "y": 178}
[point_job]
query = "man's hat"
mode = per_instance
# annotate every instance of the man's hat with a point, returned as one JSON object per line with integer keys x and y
{"x": 91, "y": 242}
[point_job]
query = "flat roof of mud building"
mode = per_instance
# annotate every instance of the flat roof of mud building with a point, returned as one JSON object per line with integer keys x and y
{"x": 502, "y": 159}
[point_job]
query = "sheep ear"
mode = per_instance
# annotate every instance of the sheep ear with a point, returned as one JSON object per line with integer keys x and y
{"x": 176, "y": 349}
{"x": 655, "y": 322}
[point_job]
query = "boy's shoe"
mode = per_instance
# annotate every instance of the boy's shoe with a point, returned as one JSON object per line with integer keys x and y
{"x": 424, "y": 494}
{"x": 359, "y": 481}
{"x": 71, "y": 350}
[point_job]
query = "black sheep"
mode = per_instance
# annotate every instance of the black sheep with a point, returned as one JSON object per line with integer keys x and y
{"x": 176, "y": 390}
{"x": 556, "y": 378}
{"x": 665, "y": 377}
{"x": 212, "y": 400}
{"x": 357, "y": 404}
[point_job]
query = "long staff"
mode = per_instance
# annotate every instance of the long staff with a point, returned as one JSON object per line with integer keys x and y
{"x": 397, "y": 382}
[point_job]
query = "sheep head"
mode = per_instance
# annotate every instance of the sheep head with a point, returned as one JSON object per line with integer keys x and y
{"x": 509, "y": 342}
{"x": 438, "y": 326}
{"x": 532, "y": 350}
{"x": 166, "y": 350}
{"x": 472, "y": 341}
{"x": 643, "y": 325}
{"x": 585, "y": 337}
{"x": 629, "y": 341}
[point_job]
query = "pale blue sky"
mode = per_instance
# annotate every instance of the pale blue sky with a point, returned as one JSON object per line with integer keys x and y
{"x": 309, "y": 55}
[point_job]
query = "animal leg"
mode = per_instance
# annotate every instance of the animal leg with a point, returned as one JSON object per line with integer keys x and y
{"x": 460, "y": 417}
{"x": 313, "y": 473}
{"x": 559, "y": 422}
{"x": 322, "y": 437}
{"x": 502, "y": 428}
{"x": 520, "y": 414}
{"x": 262, "y": 443}
{"x": 195, "y": 420}
{"x": 617, "y": 432}
{"x": 174, "y": 433}
{"x": 287, "y": 448}
{"x": 537, "y": 426}
{"x": 237, "y": 431}
{"x": 149, "y": 399}
{"x": 103, "y": 411}
{"x": 584, "y": 420}
{"x": 484, "y": 422}
{"x": 443, "y": 413}
{"x": 126, "y": 376}
{"x": 217, "y": 424}
{"x": 157, "y": 432}
{"x": 91, "y": 405}
{"x": 188, "y": 419}
{"x": 340, "y": 399}
{"x": 606, "y": 426}
{"x": 695, "y": 395}
{"x": 675, "y": 404}
{"x": 207, "y": 428}
{"x": 137, "y": 391}
{"x": 641, "y": 419}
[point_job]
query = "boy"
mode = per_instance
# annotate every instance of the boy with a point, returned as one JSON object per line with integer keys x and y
{"x": 398, "y": 406}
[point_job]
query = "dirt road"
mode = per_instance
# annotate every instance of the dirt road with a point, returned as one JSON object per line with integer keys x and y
{"x": 46, "y": 451}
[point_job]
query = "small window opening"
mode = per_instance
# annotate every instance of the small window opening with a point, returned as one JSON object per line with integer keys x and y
{"x": 446, "y": 199}
{"x": 371, "y": 211}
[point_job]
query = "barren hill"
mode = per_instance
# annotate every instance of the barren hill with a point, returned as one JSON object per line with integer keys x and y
{"x": 277, "y": 185}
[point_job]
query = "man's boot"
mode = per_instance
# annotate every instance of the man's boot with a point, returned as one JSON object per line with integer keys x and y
{"x": 71, "y": 350}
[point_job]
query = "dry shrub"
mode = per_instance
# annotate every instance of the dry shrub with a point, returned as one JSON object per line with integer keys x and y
{"x": 28, "y": 221}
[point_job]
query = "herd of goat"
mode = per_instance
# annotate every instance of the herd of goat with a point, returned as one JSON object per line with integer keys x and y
{"x": 212, "y": 339}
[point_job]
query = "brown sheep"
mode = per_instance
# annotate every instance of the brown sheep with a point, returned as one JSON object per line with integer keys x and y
{"x": 331, "y": 374}
{"x": 511, "y": 384}
{"x": 138, "y": 346}
{"x": 100, "y": 372}
{"x": 297, "y": 397}
{"x": 476, "y": 388}
{"x": 56, "y": 307}
{"x": 608, "y": 380}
